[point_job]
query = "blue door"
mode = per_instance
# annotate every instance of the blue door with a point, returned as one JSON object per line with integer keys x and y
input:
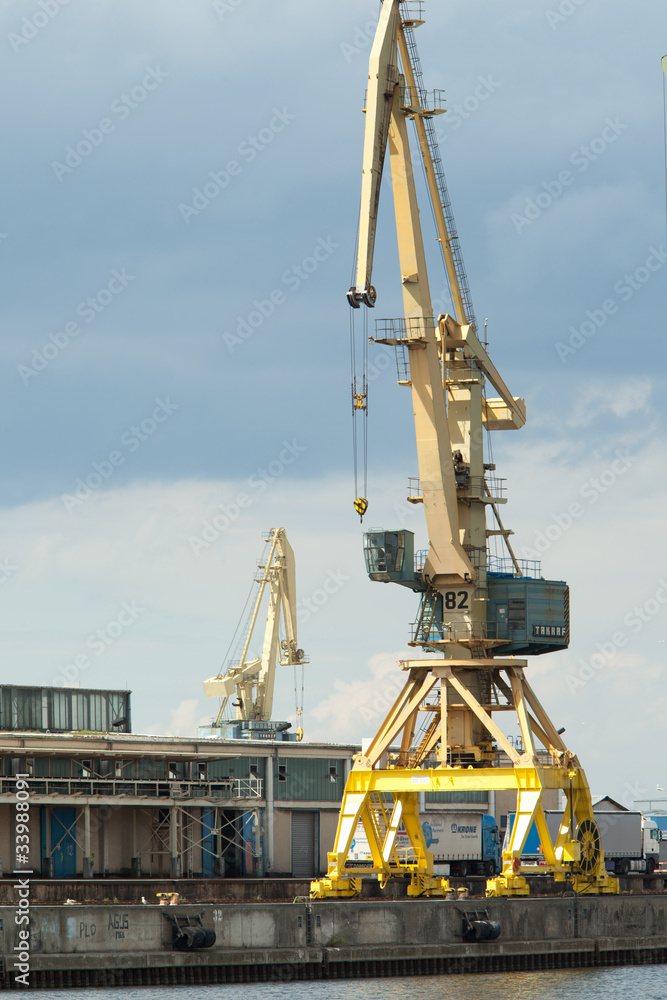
{"x": 209, "y": 843}
{"x": 63, "y": 843}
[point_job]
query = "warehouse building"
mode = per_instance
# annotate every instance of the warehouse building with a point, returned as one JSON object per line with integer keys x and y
{"x": 109, "y": 802}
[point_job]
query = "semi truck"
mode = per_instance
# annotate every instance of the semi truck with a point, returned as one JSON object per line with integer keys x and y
{"x": 630, "y": 840}
{"x": 462, "y": 843}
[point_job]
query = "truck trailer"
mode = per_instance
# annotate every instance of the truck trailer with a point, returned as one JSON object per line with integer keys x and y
{"x": 462, "y": 843}
{"x": 630, "y": 840}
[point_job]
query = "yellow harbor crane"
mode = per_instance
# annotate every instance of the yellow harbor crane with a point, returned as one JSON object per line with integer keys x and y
{"x": 252, "y": 679}
{"x": 476, "y": 616}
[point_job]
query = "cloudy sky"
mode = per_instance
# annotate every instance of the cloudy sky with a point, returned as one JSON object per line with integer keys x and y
{"x": 169, "y": 171}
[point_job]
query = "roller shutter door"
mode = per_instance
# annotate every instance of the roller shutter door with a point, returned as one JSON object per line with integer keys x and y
{"x": 305, "y": 844}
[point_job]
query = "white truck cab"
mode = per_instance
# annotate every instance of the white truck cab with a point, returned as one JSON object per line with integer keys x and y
{"x": 651, "y": 840}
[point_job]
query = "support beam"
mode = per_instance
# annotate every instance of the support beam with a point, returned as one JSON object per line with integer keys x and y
{"x": 429, "y": 740}
{"x": 378, "y": 746}
{"x": 516, "y": 676}
{"x": 541, "y": 735}
{"x": 443, "y": 723}
{"x": 528, "y": 800}
{"x": 394, "y": 824}
{"x": 48, "y": 855}
{"x": 408, "y": 736}
{"x": 382, "y": 81}
{"x": 534, "y": 725}
{"x": 173, "y": 842}
{"x": 268, "y": 817}
{"x": 447, "y": 563}
{"x": 87, "y": 866}
{"x": 104, "y": 840}
{"x": 415, "y": 677}
{"x": 355, "y": 806}
{"x": 456, "y": 334}
{"x": 136, "y": 860}
{"x": 544, "y": 720}
{"x": 483, "y": 716}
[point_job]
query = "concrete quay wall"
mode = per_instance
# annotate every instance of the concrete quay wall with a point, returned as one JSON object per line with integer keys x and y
{"x": 264, "y": 890}
{"x": 132, "y": 945}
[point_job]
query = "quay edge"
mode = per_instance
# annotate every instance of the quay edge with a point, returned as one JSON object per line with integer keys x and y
{"x": 129, "y": 944}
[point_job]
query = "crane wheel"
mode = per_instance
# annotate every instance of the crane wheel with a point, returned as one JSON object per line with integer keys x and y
{"x": 370, "y": 297}
{"x": 588, "y": 836}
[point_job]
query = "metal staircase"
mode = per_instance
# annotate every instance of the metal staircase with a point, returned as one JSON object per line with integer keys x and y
{"x": 427, "y": 623}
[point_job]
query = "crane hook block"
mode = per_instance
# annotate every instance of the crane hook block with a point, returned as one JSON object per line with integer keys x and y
{"x": 361, "y": 506}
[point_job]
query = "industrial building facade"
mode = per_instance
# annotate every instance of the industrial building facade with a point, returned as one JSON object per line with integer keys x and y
{"x": 124, "y": 805}
{"x": 128, "y": 805}
{"x": 117, "y": 804}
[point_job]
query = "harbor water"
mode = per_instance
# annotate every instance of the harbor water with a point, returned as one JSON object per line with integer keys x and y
{"x": 648, "y": 982}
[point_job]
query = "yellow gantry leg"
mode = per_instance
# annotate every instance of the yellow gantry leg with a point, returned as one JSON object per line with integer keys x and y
{"x": 575, "y": 855}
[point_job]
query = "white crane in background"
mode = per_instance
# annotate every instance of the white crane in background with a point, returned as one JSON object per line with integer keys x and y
{"x": 252, "y": 680}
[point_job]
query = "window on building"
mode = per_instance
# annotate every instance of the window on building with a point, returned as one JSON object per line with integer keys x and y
{"x": 177, "y": 770}
{"x": 60, "y": 711}
{"x": 27, "y": 708}
{"x": 98, "y": 713}
{"x": 117, "y": 712}
{"x": 80, "y": 714}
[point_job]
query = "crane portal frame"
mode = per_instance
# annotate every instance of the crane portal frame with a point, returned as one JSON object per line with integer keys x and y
{"x": 459, "y": 691}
